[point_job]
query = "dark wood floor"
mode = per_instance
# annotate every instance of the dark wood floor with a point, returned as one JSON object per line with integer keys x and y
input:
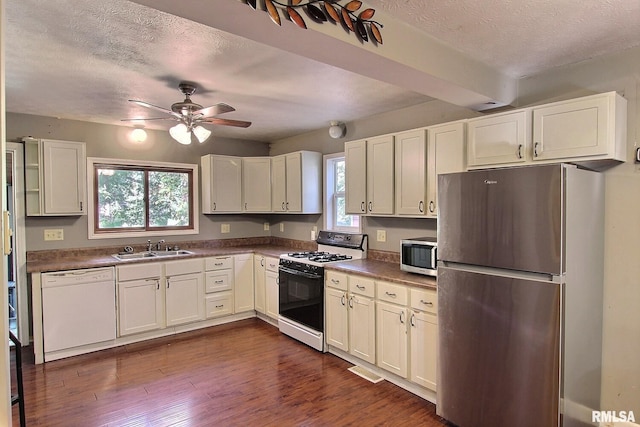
{"x": 241, "y": 374}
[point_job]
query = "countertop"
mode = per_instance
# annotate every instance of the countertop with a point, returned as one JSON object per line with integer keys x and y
{"x": 381, "y": 270}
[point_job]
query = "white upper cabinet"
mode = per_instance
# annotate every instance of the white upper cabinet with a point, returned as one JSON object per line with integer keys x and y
{"x": 355, "y": 157}
{"x": 584, "y": 128}
{"x": 499, "y": 139}
{"x": 296, "y": 182}
{"x": 411, "y": 172}
{"x": 256, "y": 184}
{"x": 221, "y": 184}
{"x": 55, "y": 178}
{"x": 370, "y": 180}
{"x": 446, "y": 154}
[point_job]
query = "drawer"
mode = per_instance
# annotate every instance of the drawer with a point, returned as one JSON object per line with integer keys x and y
{"x": 424, "y": 300}
{"x": 218, "y": 263}
{"x": 173, "y": 268}
{"x": 220, "y": 304}
{"x": 392, "y": 292}
{"x": 336, "y": 280}
{"x": 216, "y": 281}
{"x": 272, "y": 264}
{"x": 362, "y": 286}
{"x": 139, "y": 271}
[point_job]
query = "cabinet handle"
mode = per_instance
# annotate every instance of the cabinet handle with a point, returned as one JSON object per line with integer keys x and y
{"x": 287, "y": 205}
{"x": 421, "y": 206}
{"x": 168, "y": 283}
{"x": 351, "y": 302}
{"x": 218, "y": 281}
{"x": 411, "y": 320}
{"x": 342, "y": 299}
{"x": 535, "y": 149}
{"x": 362, "y": 208}
{"x": 432, "y": 206}
{"x": 370, "y": 206}
{"x": 520, "y": 151}
{"x": 282, "y": 205}
{"x": 391, "y": 294}
{"x": 261, "y": 262}
{"x": 427, "y": 303}
{"x": 220, "y": 306}
{"x": 245, "y": 206}
{"x": 402, "y": 317}
{"x": 81, "y": 206}
{"x": 214, "y": 206}
{"x": 362, "y": 288}
{"x": 335, "y": 281}
{"x": 157, "y": 285}
{"x": 218, "y": 264}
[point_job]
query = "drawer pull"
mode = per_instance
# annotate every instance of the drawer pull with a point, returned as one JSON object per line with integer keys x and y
{"x": 335, "y": 281}
{"x": 391, "y": 294}
{"x": 218, "y": 264}
{"x": 218, "y": 281}
{"x": 427, "y": 303}
{"x": 220, "y": 306}
{"x": 362, "y": 288}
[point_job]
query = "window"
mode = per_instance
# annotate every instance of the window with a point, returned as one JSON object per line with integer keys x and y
{"x": 335, "y": 198}
{"x": 141, "y": 198}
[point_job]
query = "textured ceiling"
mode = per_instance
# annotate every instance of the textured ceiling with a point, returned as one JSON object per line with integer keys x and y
{"x": 523, "y": 38}
{"x": 82, "y": 59}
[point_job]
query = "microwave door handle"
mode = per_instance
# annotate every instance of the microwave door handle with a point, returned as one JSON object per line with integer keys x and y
{"x": 433, "y": 257}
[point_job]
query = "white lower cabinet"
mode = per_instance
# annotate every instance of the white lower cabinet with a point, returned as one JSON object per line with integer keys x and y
{"x": 391, "y": 328}
{"x": 272, "y": 290}
{"x": 350, "y": 313}
{"x": 219, "y": 304}
{"x": 219, "y": 286}
{"x": 140, "y": 298}
{"x": 184, "y": 291}
{"x": 259, "y": 271}
{"x": 423, "y": 324}
{"x": 243, "y": 292}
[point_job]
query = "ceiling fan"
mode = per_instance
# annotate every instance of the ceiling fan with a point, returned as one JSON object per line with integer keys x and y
{"x": 191, "y": 116}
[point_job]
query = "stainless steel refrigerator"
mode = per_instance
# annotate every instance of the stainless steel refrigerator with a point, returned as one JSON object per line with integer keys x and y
{"x": 520, "y": 277}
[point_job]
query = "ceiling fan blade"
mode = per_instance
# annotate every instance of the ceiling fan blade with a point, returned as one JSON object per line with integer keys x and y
{"x": 214, "y": 110}
{"x": 227, "y": 122}
{"x": 154, "y": 107}
{"x": 142, "y": 119}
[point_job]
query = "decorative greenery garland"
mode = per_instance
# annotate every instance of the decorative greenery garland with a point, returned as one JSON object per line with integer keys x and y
{"x": 330, "y": 10}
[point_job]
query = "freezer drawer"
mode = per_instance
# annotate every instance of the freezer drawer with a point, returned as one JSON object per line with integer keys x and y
{"x": 499, "y": 350}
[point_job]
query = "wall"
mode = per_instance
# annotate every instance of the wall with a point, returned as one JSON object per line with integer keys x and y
{"x": 420, "y": 115}
{"x": 621, "y": 335}
{"x": 112, "y": 142}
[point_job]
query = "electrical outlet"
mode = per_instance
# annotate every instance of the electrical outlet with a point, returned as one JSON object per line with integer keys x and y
{"x": 282, "y": 227}
{"x": 381, "y": 236}
{"x": 266, "y": 226}
{"x": 225, "y": 228}
{"x": 54, "y": 234}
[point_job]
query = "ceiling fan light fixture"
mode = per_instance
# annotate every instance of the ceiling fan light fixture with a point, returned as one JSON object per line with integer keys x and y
{"x": 181, "y": 133}
{"x": 201, "y": 133}
{"x": 138, "y": 135}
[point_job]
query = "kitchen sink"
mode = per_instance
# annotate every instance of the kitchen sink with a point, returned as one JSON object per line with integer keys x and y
{"x": 150, "y": 254}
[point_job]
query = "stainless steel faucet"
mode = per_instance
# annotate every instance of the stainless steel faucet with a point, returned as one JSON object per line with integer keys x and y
{"x": 149, "y": 245}
{"x": 158, "y": 245}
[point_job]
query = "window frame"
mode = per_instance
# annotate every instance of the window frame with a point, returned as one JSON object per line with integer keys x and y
{"x": 93, "y": 233}
{"x": 329, "y": 205}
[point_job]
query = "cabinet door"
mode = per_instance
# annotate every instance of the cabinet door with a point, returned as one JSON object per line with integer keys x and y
{"x": 294, "y": 182}
{"x": 498, "y": 139}
{"x": 64, "y": 177}
{"x": 218, "y": 304}
{"x": 256, "y": 184}
{"x": 243, "y": 283}
{"x": 411, "y": 169}
{"x": 279, "y": 184}
{"x": 185, "y": 299}
{"x": 380, "y": 175}
{"x": 392, "y": 338}
{"x": 272, "y": 294}
{"x": 221, "y": 184}
{"x": 259, "y": 271}
{"x": 573, "y": 128}
{"x": 139, "y": 306}
{"x": 362, "y": 328}
{"x": 355, "y": 158}
{"x": 337, "y": 319}
{"x": 445, "y": 155}
{"x": 424, "y": 349}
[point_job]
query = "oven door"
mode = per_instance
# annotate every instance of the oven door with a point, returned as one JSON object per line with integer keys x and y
{"x": 301, "y": 297}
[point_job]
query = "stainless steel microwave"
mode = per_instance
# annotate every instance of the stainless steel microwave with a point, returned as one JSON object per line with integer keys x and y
{"x": 419, "y": 255}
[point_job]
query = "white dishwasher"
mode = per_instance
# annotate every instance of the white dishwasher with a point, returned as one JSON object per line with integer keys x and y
{"x": 78, "y": 308}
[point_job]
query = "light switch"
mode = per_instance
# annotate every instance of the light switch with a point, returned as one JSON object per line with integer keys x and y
{"x": 225, "y": 228}
{"x": 381, "y": 236}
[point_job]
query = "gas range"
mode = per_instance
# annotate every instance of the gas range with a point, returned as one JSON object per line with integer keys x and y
{"x": 332, "y": 247}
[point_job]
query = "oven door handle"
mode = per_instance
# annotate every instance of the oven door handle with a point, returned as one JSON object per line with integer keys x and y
{"x": 300, "y": 273}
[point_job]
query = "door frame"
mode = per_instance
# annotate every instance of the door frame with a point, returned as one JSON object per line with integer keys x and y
{"x": 19, "y": 239}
